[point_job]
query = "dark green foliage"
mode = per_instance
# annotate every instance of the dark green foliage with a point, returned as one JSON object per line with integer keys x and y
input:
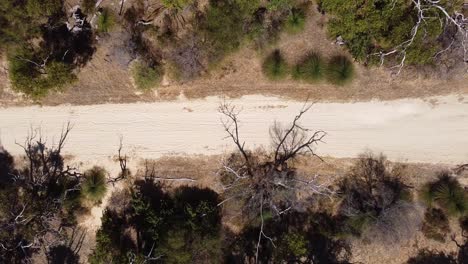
{"x": 299, "y": 238}
{"x": 112, "y": 242}
{"x": 274, "y": 66}
{"x": 183, "y": 226}
{"x": 436, "y": 225}
{"x": 47, "y": 65}
{"x": 293, "y": 245}
{"x": 310, "y": 69}
{"x": 380, "y": 25}
{"x": 94, "y": 185}
{"x": 223, "y": 27}
{"x": 446, "y": 193}
{"x": 7, "y": 168}
{"x": 228, "y": 23}
{"x": 432, "y": 257}
{"x": 61, "y": 45}
{"x": 13, "y": 28}
{"x": 340, "y": 70}
{"x": 29, "y": 75}
{"x": 32, "y": 199}
{"x": 296, "y": 20}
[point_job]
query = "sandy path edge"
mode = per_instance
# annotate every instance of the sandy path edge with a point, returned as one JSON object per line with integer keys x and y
{"x": 428, "y": 130}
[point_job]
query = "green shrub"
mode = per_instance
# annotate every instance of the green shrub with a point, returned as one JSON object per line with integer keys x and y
{"x": 296, "y": 244}
{"x": 29, "y": 77}
{"x": 94, "y": 186}
{"x": 296, "y": 20}
{"x": 340, "y": 70}
{"x": 147, "y": 77}
{"x": 223, "y": 27}
{"x": 274, "y": 66}
{"x": 105, "y": 21}
{"x": 310, "y": 69}
{"x": 447, "y": 193}
{"x": 436, "y": 225}
{"x": 373, "y": 26}
{"x": 181, "y": 226}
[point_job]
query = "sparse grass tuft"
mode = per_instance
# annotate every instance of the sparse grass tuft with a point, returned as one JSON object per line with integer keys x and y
{"x": 340, "y": 70}
{"x": 447, "y": 193}
{"x": 146, "y": 76}
{"x": 310, "y": 69}
{"x": 296, "y": 21}
{"x": 94, "y": 186}
{"x": 275, "y": 66}
{"x": 105, "y": 21}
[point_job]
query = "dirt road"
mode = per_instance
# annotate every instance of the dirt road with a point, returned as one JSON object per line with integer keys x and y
{"x": 414, "y": 130}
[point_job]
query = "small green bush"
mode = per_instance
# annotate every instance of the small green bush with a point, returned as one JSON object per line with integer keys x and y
{"x": 275, "y": 66}
{"x": 94, "y": 186}
{"x": 105, "y": 21}
{"x": 36, "y": 81}
{"x": 447, "y": 193}
{"x": 310, "y": 69}
{"x": 340, "y": 70}
{"x": 436, "y": 224}
{"x": 145, "y": 76}
{"x": 296, "y": 244}
{"x": 223, "y": 27}
{"x": 296, "y": 20}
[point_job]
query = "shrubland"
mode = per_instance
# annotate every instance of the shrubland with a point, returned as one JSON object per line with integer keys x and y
{"x": 280, "y": 213}
{"x": 43, "y": 50}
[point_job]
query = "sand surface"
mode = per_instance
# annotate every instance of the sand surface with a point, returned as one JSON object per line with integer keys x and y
{"x": 432, "y": 130}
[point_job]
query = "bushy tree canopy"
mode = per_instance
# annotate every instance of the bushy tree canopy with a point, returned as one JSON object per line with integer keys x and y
{"x": 368, "y": 27}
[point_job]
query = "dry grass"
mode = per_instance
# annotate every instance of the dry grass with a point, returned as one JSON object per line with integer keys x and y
{"x": 203, "y": 168}
{"x": 107, "y": 77}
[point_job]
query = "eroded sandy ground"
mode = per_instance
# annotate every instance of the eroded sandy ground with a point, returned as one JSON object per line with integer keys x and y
{"x": 414, "y": 130}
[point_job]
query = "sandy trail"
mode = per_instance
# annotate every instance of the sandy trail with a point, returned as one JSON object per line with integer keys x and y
{"x": 414, "y": 130}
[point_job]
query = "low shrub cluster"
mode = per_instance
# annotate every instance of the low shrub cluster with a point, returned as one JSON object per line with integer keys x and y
{"x": 181, "y": 226}
{"x": 338, "y": 70}
{"x": 43, "y": 53}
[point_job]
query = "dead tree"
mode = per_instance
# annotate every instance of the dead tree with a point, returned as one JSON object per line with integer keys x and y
{"x": 124, "y": 171}
{"x": 268, "y": 184}
{"x": 45, "y": 164}
{"x": 35, "y": 197}
{"x": 425, "y": 9}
